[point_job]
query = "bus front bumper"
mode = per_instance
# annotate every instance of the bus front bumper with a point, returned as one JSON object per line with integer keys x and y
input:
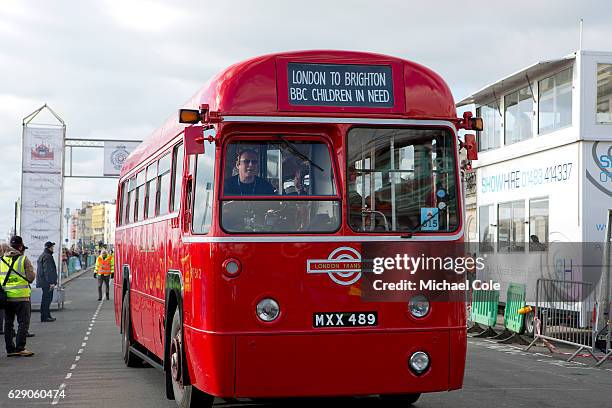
{"x": 325, "y": 364}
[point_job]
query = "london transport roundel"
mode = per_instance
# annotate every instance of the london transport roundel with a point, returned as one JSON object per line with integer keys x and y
{"x": 343, "y": 266}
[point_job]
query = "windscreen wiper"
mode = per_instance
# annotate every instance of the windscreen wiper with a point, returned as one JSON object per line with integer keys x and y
{"x": 298, "y": 153}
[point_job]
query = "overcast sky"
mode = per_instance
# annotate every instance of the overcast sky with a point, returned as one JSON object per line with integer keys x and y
{"x": 119, "y": 68}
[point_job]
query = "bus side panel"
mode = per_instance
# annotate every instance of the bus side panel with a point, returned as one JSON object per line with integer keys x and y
{"x": 136, "y": 304}
{"x": 211, "y": 362}
{"x": 458, "y": 348}
{"x": 157, "y": 285}
{"x": 118, "y": 282}
{"x": 146, "y": 267}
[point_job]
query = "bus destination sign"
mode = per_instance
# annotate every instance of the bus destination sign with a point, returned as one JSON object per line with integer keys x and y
{"x": 369, "y": 86}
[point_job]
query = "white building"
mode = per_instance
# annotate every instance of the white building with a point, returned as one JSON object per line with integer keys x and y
{"x": 545, "y": 155}
{"x": 544, "y": 168}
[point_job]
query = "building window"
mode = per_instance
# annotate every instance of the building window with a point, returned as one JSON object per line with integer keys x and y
{"x": 538, "y": 224}
{"x": 490, "y": 136}
{"x": 511, "y": 227}
{"x": 555, "y": 101}
{"x": 484, "y": 229}
{"x": 163, "y": 185}
{"x": 604, "y": 93}
{"x": 518, "y": 116}
{"x": 178, "y": 176}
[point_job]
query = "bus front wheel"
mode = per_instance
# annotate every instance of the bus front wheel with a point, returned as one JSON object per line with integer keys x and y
{"x": 186, "y": 396}
{"x": 403, "y": 400}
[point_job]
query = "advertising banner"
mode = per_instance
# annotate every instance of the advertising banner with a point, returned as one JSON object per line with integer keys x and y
{"x": 115, "y": 154}
{"x": 41, "y": 189}
{"x": 42, "y": 149}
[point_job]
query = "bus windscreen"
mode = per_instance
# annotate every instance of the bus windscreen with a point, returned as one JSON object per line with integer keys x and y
{"x": 401, "y": 180}
{"x": 294, "y": 176}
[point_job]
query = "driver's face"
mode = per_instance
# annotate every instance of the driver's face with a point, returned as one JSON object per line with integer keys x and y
{"x": 248, "y": 166}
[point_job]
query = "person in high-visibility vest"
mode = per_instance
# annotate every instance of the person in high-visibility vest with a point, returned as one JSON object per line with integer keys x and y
{"x": 16, "y": 274}
{"x": 104, "y": 271}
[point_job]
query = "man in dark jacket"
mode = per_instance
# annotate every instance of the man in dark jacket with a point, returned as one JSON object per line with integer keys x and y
{"x": 46, "y": 278}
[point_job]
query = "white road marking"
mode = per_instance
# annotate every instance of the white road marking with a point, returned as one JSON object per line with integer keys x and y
{"x": 57, "y": 396}
{"x": 78, "y": 357}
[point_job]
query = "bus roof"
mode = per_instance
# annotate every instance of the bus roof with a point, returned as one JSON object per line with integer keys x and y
{"x": 259, "y": 87}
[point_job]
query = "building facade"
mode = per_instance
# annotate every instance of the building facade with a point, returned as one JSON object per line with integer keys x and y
{"x": 544, "y": 168}
{"x": 94, "y": 223}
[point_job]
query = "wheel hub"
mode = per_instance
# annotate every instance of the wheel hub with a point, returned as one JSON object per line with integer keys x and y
{"x": 175, "y": 359}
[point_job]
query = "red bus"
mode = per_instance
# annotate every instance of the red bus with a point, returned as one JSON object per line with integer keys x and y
{"x": 239, "y": 235}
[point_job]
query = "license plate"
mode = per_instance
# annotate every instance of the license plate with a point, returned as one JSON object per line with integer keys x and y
{"x": 345, "y": 319}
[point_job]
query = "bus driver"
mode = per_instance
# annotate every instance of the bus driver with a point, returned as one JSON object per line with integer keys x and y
{"x": 247, "y": 182}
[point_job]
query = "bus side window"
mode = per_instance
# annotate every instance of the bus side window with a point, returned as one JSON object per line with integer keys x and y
{"x": 131, "y": 201}
{"x": 140, "y": 196}
{"x": 204, "y": 188}
{"x": 151, "y": 189}
{"x": 163, "y": 184}
{"x": 187, "y": 207}
{"x": 124, "y": 200}
{"x": 177, "y": 177}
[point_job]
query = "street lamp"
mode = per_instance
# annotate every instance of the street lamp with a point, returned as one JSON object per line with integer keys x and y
{"x": 67, "y": 217}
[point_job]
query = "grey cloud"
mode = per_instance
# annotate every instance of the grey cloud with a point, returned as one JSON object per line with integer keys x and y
{"x": 107, "y": 79}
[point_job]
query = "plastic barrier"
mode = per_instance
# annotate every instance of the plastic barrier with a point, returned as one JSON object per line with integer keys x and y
{"x": 71, "y": 265}
{"x": 513, "y": 315}
{"x": 484, "y": 311}
{"x": 484, "y": 307}
{"x": 515, "y": 300}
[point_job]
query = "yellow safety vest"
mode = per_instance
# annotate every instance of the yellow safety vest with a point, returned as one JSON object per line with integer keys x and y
{"x": 103, "y": 266}
{"x": 16, "y": 286}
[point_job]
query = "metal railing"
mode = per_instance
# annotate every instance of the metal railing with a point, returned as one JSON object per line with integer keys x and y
{"x": 565, "y": 314}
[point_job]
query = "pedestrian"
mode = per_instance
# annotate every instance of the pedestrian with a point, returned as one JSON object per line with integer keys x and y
{"x": 46, "y": 279}
{"x": 104, "y": 271}
{"x": 16, "y": 274}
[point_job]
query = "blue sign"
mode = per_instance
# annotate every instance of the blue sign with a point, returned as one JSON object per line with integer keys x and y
{"x": 429, "y": 219}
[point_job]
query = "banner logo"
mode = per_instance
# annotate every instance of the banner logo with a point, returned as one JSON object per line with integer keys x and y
{"x": 604, "y": 166}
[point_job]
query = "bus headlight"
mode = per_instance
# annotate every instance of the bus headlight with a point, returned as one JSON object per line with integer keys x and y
{"x": 418, "y": 306}
{"x": 419, "y": 362}
{"x": 268, "y": 309}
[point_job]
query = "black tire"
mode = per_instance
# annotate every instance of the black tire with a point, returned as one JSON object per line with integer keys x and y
{"x": 402, "y": 400}
{"x": 186, "y": 396}
{"x": 129, "y": 358}
{"x": 529, "y": 324}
